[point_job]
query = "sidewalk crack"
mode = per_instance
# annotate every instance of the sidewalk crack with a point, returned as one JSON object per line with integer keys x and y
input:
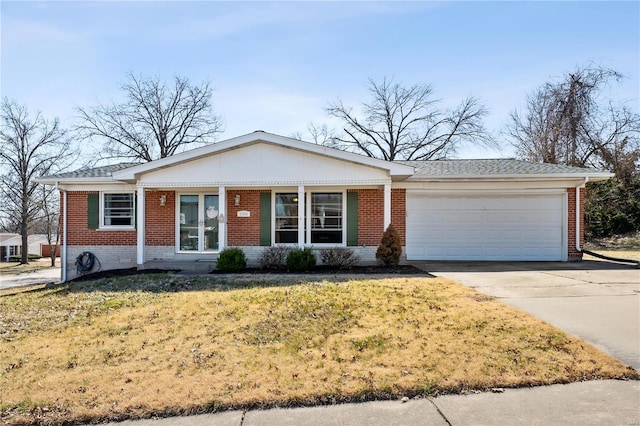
{"x": 439, "y": 411}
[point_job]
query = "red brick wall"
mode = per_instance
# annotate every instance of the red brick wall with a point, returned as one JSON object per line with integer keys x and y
{"x": 399, "y": 213}
{"x": 243, "y": 231}
{"x": 371, "y": 214}
{"x": 571, "y": 234}
{"x": 80, "y": 234}
{"x": 160, "y": 225}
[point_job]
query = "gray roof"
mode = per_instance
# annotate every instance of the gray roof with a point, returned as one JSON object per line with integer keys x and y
{"x": 492, "y": 167}
{"x": 94, "y": 172}
{"x": 424, "y": 169}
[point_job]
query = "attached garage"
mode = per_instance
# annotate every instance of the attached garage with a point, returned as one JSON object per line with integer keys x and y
{"x": 486, "y": 227}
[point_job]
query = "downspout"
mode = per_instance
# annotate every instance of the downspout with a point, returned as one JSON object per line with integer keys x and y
{"x": 578, "y": 215}
{"x": 63, "y": 254}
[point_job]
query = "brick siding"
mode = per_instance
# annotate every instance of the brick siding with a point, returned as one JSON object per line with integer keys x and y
{"x": 571, "y": 226}
{"x": 160, "y": 225}
{"x": 371, "y": 215}
{"x": 399, "y": 213}
{"x": 243, "y": 231}
{"x": 79, "y": 233}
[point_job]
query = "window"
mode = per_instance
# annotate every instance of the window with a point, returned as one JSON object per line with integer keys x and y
{"x": 326, "y": 218}
{"x": 287, "y": 218}
{"x": 118, "y": 210}
{"x": 323, "y": 222}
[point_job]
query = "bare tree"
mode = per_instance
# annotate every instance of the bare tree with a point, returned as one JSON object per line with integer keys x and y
{"x": 612, "y": 142}
{"x": 565, "y": 123}
{"x": 155, "y": 121}
{"x": 407, "y": 123}
{"x": 9, "y": 222}
{"x": 319, "y": 134}
{"x": 29, "y": 148}
{"x": 48, "y": 223}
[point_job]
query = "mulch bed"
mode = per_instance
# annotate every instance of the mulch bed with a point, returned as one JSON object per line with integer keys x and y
{"x": 326, "y": 270}
{"x": 318, "y": 270}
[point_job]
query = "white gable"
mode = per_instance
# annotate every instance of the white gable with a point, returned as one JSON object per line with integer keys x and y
{"x": 260, "y": 164}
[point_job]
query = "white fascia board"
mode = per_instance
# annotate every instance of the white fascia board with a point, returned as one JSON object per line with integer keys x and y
{"x": 106, "y": 186}
{"x": 593, "y": 176}
{"x": 400, "y": 171}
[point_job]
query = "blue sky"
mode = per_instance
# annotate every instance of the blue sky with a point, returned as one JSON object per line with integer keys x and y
{"x": 276, "y": 65}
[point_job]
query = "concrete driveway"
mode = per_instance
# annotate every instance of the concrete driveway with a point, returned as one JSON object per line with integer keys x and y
{"x": 41, "y": 276}
{"x": 596, "y": 301}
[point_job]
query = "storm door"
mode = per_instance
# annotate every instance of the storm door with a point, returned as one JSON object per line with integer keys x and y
{"x": 198, "y": 222}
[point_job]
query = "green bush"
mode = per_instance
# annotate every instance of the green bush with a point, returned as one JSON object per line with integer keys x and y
{"x": 339, "y": 257}
{"x": 231, "y": 259}
{"x": 390, "y": 248}
{"x": 612, "y": 207}
{"x": 301, "y": 259}
{"x": 274, "y": 257}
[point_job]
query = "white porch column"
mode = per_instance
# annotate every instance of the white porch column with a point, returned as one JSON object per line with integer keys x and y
{"x": 222, "y": 224}
{"x": 140, "y": 203}
{"x": 301, "y": 210}
{"x": 387, "y": 205}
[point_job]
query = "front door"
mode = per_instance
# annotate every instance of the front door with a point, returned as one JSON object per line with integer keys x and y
{"x": 198, "y": 222}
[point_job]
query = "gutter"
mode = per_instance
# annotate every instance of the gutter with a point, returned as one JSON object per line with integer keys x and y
{"x": 507, "y": 177}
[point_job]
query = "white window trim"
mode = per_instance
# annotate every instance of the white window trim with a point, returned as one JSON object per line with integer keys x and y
{"x": 117, "y": 227}
{"x": 307, "y": 225}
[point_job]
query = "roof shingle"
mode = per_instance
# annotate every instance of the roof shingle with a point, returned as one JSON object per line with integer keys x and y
{"x": 490, "y": 167}
{"x": 94, "y": 172}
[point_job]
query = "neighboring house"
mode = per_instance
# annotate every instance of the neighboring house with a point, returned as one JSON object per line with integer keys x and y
{"x": 10, "y": 245}
{"x": 261, "y": 189}
{"x": 39, "y": 244}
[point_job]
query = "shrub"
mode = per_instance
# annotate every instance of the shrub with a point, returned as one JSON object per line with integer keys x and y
{"x": 231, "y": 259}
{"x": 301, "y": 260}
{"x": 612, "y": 207}
{"x": 274, "y": 257}
{"x": 339, "y": 257}
{"x": 390, "y": 249}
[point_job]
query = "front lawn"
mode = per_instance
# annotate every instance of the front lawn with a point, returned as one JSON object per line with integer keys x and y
{"x": 159, "y": 345}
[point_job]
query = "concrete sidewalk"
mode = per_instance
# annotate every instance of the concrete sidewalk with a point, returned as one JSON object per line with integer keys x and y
{"x": 607, "y": 402}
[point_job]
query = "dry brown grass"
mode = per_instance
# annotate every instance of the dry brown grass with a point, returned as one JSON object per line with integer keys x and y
{"x": 141, "y": 346}
{"x": 626, "y": 246}
{"x": 620, "y": 254}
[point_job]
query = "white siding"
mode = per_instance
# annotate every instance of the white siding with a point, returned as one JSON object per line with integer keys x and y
{"x": 265, "y": 164}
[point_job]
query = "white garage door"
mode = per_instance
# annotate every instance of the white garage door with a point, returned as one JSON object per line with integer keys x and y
{"x": 485, "y": 227}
